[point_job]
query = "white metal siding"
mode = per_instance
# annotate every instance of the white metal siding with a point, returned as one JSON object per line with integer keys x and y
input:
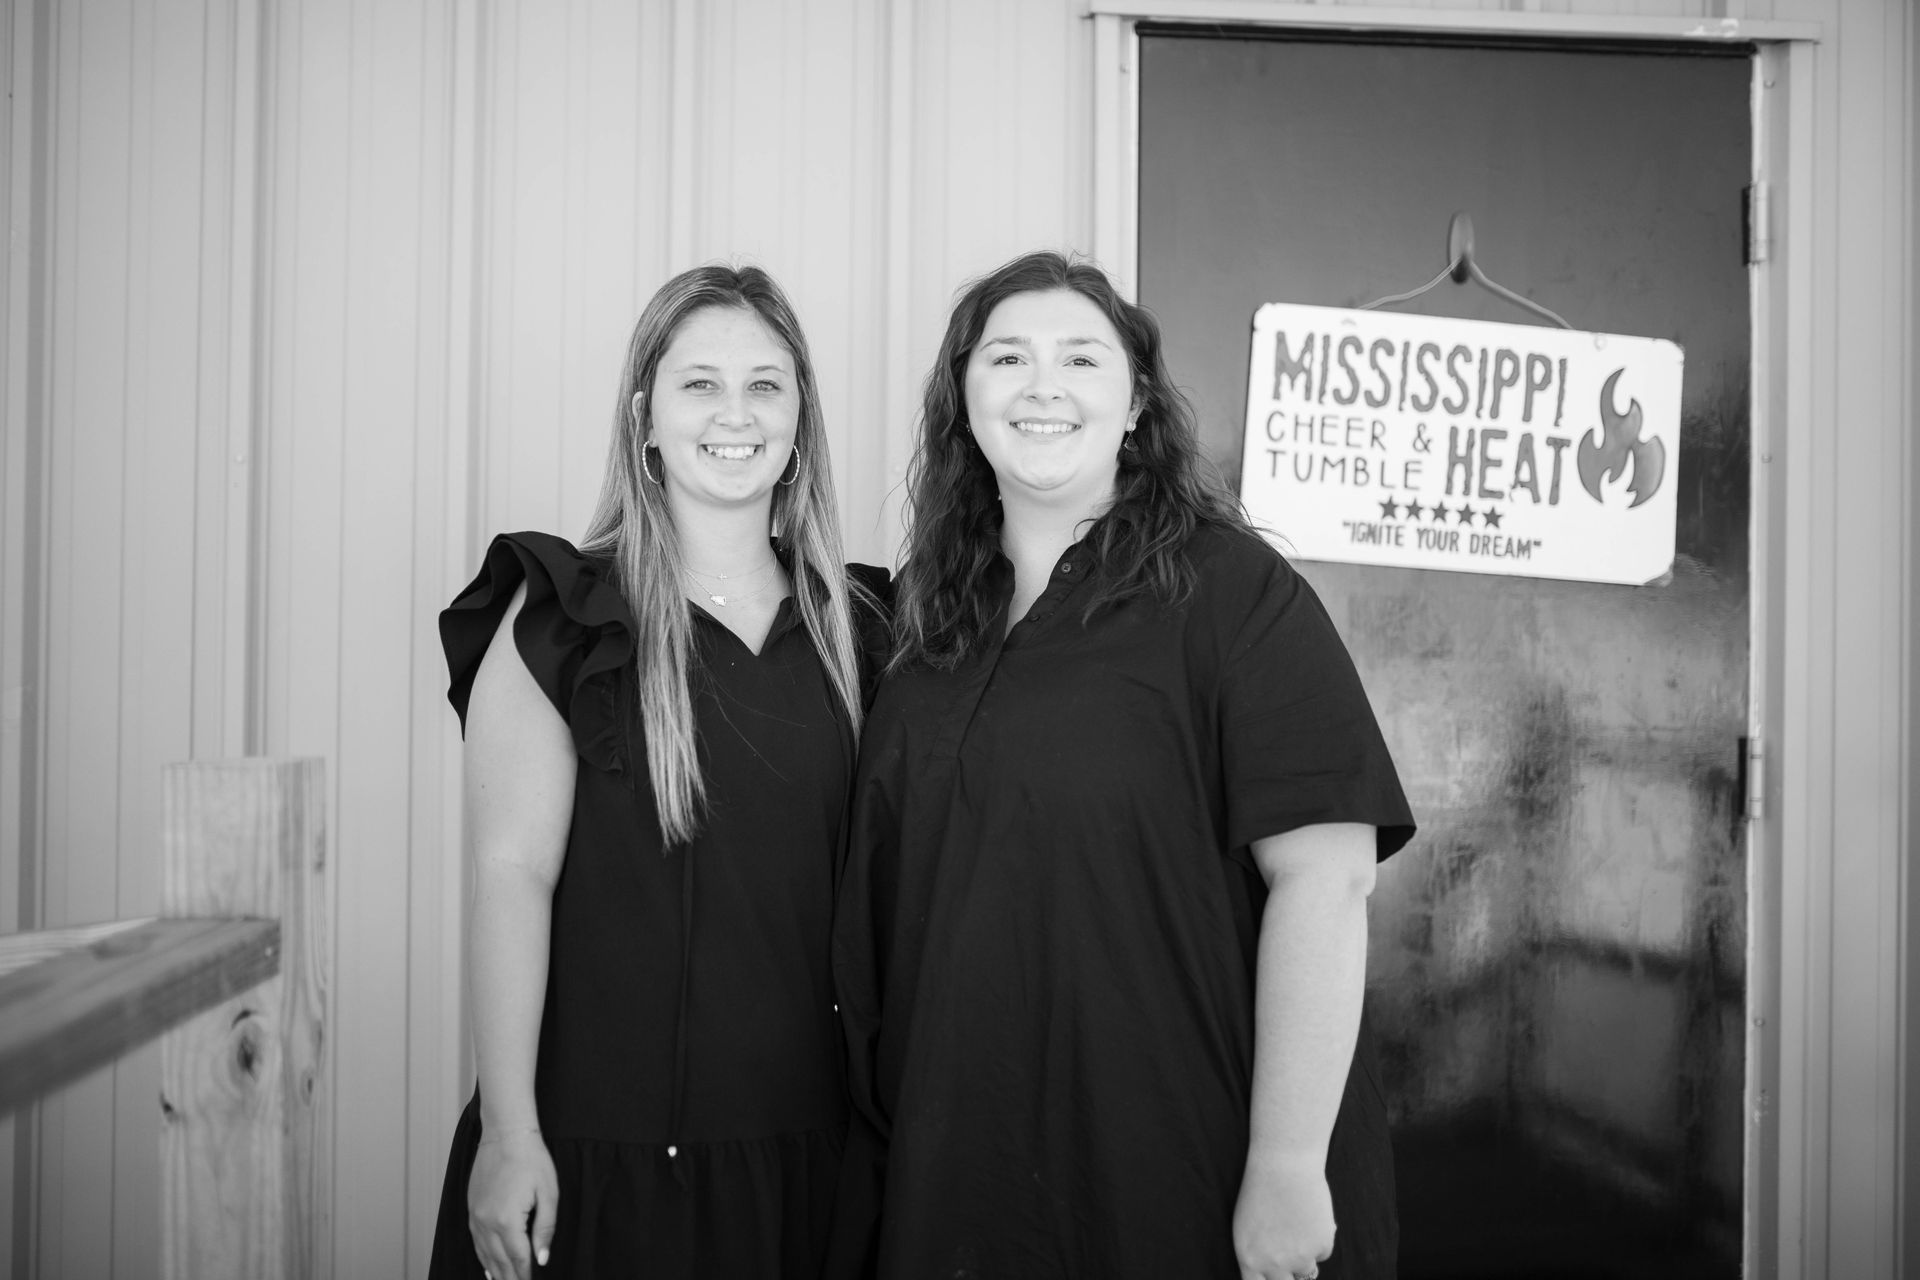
{"x": 119, "y": 169}
{"x": 399, "y": 244}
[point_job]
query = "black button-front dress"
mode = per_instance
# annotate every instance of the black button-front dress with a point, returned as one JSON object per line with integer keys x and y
{"x": 689, "y": 1078}
{"x": 1046, "y": 934}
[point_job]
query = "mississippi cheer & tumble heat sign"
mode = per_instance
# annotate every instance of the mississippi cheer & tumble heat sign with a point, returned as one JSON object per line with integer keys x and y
{"x": 1432, "y": 443}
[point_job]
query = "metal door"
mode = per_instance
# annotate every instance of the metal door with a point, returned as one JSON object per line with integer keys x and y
{"x": 1558, "y": 964}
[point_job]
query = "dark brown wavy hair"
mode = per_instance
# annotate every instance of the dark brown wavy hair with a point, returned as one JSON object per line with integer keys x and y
{"x": 1163, "y": 491}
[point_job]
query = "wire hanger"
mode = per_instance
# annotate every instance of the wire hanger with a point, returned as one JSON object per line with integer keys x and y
{"x": 1462, "y": 268}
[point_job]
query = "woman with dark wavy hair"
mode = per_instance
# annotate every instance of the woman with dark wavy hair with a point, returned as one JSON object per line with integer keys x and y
{"x": 661, "y": 729}
{"x": 1101, "y": 938}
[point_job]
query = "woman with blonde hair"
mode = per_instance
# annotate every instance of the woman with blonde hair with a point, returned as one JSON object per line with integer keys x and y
{"x": 661, "y": 727}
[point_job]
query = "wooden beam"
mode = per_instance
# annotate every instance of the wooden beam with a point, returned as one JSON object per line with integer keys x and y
{"x": 72, "y": 1000}
{"x": 244, "y": 1098}
{"x": 18, "y": 950}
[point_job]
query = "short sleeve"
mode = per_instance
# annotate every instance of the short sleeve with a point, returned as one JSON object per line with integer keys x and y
{"x": 1300, "y": 744}
{"x": 574, "y": 634}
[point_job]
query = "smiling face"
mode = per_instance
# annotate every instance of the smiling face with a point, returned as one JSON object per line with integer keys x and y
{"x": 1050, "y": 399}
{"x": 723, "y": 409}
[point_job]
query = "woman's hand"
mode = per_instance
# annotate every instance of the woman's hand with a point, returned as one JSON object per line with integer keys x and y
{"x": 519, "y": 776}
{"x": 511, "y": 1199}
{"x": 1310, "y": 978}
{"x": 1283, "y": 1223}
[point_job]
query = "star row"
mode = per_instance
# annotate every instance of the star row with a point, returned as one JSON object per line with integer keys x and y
{"x": 1390, "y": 510}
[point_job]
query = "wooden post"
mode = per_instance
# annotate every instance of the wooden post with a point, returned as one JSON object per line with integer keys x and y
{"x": 244, "y": 1105}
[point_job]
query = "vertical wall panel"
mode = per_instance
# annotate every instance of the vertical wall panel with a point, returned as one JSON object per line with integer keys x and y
{"x": 535, "y": 140}
{"x": 890, "y": 454}
{"x": 360, "y": 222}
{"x": 21, "y": 81}
{"x": 575, "y": 230}
{"x": 307, "y": 322}
{"x": 88, "y": 429}
{"x": 856, "y": 378}
{"x": 18, "y": 151}
{"x": 435, "y": 901}
{"x": 603, "y": 187}
{"x": 103, "y": 565}
{"x": 161, "y": 420}
{"x": 1867, "y": 218}
{"x": 1908, "y": 1261}
{"x": 825, "y": 196}
{"x": 226, "y": 474}
{"x": 1840, "y": 633}
{"x": 387, "y": 71}
{"x": 305, "y": 222}
{"x": 93, "y": 119}
{"x": 1001, "y": 154}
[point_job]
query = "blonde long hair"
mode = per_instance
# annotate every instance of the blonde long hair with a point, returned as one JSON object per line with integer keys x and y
{"x": 633, "y": 526}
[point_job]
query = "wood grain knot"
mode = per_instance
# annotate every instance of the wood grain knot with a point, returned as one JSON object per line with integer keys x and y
{"x": 249, "y": 1045}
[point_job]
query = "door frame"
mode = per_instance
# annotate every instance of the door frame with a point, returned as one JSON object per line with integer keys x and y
{"x": 1797, "y": 941}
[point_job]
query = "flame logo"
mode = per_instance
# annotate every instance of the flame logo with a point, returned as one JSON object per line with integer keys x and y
{"x": 1620, "y": 441}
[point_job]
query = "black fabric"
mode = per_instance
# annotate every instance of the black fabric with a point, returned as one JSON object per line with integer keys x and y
{"x": 1045, "y": 940}
{"x": 744, "y": 1077}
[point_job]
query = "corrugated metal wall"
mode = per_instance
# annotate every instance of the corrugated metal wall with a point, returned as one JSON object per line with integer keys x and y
{"x": 121, "y": 165}
{"x": 869, "y": 155}
{"x": 305, "y": 299}
{"x": 363, "y": 418}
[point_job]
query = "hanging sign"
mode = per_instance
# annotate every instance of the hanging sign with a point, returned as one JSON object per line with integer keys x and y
{"x": 1431, "y": 443}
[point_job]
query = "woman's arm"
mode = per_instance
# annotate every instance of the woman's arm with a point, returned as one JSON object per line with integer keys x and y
{"x": 1306, "y": 1017}
{"x": 519, "y": 778}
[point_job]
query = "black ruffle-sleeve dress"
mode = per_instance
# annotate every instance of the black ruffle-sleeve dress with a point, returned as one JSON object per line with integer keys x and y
{"x": 1046, "y": 933}
{"x": 689, "y": 1079}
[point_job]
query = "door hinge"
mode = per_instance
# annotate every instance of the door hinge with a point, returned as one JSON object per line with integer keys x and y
{"x": 1754, "y": 784}
{"x": 1756, "y": 225}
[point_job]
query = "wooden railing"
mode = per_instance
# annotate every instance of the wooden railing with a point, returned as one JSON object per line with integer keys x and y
{"x": 72, "y": 1000}
{"x": 233, "y": 977}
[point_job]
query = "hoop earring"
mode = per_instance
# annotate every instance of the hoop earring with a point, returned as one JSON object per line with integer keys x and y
{"x": 644, "y": 468}
{"x": 796, "y": 466}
